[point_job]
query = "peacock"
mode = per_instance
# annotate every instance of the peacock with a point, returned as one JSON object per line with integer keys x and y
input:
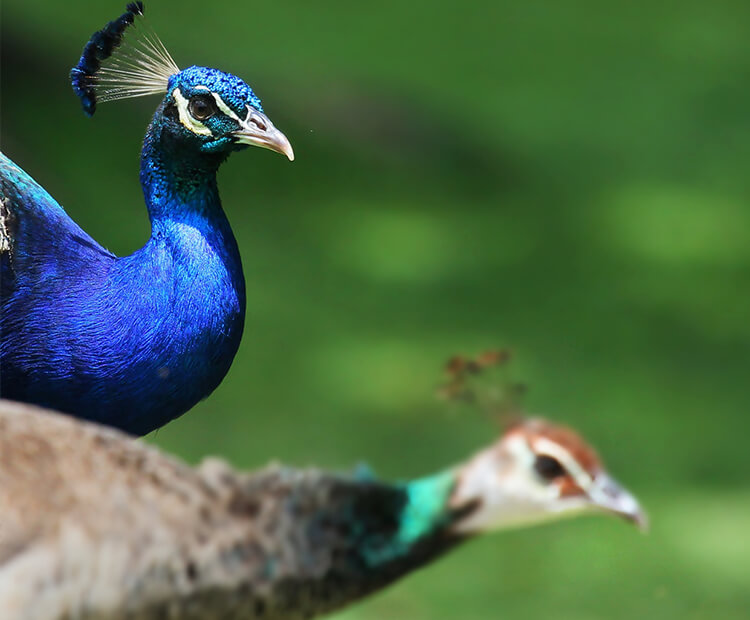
{"x": 132, "y": 341}
{"x": 97, "y": 525}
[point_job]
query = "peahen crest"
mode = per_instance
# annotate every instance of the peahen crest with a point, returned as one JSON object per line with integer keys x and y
{"x": 115, "y": 66}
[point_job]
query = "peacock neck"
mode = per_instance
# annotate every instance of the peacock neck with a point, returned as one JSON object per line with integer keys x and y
{"x": 180, "y": 298}
{"x": 179, "y": 184}
{"x": 187, "y": 219}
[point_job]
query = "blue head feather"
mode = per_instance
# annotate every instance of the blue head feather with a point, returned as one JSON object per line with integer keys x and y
{"x": 235, "y": 92}
{"x": 235, "y": 98}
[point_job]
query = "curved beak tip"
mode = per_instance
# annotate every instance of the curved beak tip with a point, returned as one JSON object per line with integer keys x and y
{"x": 611, "y": 497}
{"x": 258, "y": 130}
{"x": 279, "y": 143}
{"x": 640, "y": 520}
{"x": 629, "y": 509}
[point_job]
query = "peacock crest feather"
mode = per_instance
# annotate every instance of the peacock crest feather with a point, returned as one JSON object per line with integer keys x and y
{"x": 124, "y": 59}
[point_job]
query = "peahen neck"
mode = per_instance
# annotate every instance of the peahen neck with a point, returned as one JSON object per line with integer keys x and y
{"x": 421, "y": 514}
{"x": 329, "y": 540}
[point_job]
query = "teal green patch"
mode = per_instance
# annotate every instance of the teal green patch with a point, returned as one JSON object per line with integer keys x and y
{"x": 426, "y": 507}
{"x": 425, "y": 511}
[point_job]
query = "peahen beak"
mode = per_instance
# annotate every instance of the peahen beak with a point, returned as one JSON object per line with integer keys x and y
{"x": 606, "y": 494}
{"x": 258, "y": 130}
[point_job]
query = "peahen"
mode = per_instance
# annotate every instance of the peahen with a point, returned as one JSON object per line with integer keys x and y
{"x": 132, "y": 341}
{"x": 96, "y": 525}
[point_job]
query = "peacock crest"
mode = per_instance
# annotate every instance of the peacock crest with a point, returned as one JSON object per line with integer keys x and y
{"x": 116, "y": 64}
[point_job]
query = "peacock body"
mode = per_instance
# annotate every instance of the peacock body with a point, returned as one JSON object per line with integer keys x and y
{"x": 132, "y": 341}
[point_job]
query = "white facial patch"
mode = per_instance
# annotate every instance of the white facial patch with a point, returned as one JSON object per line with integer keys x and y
{"x": 221, "y": 104}
{"x": 186, "y": 118}
{"x": 504, "y": 484}
{"x": 550, "y": 448}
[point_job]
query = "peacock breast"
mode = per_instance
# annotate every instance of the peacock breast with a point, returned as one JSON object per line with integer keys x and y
{"x": 132, "y": 342}
{"x": 181, "y": 325}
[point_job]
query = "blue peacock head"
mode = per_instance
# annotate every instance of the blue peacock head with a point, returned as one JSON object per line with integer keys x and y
{"x": 219, "y": 112}
{"x": 214, "y": 111}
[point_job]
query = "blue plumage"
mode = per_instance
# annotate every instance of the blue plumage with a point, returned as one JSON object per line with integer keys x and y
{"x": 132, "y": 341}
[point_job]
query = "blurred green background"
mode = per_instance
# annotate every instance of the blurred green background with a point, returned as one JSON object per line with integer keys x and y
{"x": 566, "y": 179}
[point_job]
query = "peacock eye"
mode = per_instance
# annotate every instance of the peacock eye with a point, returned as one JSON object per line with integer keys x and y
{"x": 548, "y": 468}
{"x": 202, "y": 107}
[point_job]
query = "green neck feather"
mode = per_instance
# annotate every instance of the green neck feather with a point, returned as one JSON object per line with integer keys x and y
{"x": 329, "y": 539}
{"x": 427, "y": 507}
{"x": 424, "y": 514}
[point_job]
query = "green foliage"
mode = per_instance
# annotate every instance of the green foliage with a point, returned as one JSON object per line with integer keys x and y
{"x": 566, "y": 179}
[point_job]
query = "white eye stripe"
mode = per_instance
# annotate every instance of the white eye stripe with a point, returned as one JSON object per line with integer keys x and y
{"x": 186, "y": 118}
{"x": 550, "y": 448}
{"x": 196, "y": 126}
{"x": 221, "y": 104}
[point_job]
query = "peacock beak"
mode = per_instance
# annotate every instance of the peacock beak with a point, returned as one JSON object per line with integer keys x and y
{"x": 606, "y": 494}
{"x": 258, "y": 130}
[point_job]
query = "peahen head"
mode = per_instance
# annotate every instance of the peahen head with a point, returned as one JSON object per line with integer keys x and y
{"x": 203, "y": 109}
{"x": 538, "y": 471}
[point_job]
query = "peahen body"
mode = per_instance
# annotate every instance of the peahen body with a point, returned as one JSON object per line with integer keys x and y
{"x": 132, "y": 341}
{"x": 95, "y": 525}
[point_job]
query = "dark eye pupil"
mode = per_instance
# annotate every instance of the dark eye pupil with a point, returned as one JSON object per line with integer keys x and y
{"x": 548, "y": 467}
{"x": 201, "y": 107}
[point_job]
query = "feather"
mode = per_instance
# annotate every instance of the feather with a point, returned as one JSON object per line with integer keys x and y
{"x": 116, "y": 66}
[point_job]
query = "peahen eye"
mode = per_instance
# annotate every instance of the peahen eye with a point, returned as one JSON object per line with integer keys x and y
{"x": 202, "y": 107}
{"x": 548, "y": 468}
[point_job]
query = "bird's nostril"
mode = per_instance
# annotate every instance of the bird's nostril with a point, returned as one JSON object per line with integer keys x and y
{"x": 258, "y": 123}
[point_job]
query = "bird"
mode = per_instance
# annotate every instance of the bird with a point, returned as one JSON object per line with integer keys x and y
{"x": 96, "y": 524}
{"x": 132, "y": 341}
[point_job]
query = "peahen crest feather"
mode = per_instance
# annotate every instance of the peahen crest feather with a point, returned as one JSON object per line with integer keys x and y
{"x": 115, "y": 66}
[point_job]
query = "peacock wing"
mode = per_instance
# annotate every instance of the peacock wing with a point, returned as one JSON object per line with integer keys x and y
{"x": 34, "y": 229}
